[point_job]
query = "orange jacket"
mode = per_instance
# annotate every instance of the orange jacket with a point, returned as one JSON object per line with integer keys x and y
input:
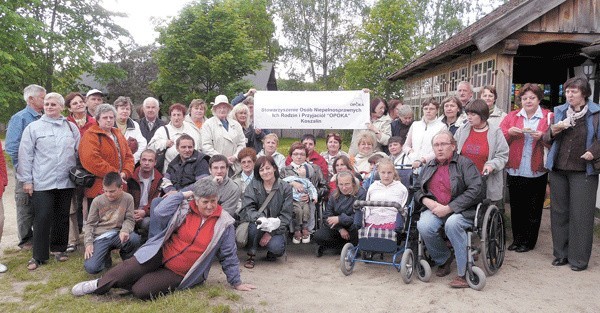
{"x": 98, "y": 155}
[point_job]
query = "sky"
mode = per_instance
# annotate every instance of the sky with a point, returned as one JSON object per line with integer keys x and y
{"x": 140, "y": 12}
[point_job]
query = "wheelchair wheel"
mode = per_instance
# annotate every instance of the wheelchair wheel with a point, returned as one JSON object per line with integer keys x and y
{"x": 407, "y": 266}
{"x": 423, "y": 271}
{"x": 493, "y": 239}
{"x": 476, "y": 278}
{"x": 347, "y": 259}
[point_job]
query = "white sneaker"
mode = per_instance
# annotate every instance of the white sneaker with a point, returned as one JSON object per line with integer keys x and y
{"x": 85, "y": 287}
{"x": 3, "y": 268}
{"x": 306, "y": 239}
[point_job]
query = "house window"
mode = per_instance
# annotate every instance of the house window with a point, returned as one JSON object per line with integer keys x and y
{"x": 457, "y": 76}
{"x": 483, "y": 73}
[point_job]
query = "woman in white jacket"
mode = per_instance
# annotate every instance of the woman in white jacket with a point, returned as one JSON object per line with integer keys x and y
{"x": 418, "y": 140}
{"x": 165, "y": 136}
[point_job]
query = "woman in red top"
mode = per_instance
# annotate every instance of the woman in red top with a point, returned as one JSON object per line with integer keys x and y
{"x": 484, "y": 144}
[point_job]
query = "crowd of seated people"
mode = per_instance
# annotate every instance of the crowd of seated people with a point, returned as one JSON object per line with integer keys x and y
{"x": 139, "y": 166}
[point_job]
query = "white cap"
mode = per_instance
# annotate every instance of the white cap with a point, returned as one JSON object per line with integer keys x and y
{"x": 221, "y": 99}
{"x": 93, "y": 92}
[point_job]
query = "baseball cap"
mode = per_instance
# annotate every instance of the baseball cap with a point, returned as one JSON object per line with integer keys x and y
{"x": 93, "y": 92}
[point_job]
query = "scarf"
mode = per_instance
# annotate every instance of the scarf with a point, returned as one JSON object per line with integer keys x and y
{"x": 572, "y": 116}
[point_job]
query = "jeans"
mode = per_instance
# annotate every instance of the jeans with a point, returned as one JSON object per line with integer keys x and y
{"x": 455, "y": 225}
{"x": 276, "y": 245}
{"x": 155, "y": 227}
{"x": 101, "y": 258}
{"x": 24, "y": 214}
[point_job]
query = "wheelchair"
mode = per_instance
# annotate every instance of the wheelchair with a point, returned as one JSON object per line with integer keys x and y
{"x": 489, "y": 227}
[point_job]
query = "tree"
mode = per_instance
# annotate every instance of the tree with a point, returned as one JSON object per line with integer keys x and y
{"x": 386, "y": 42}
{"x": 318, "y": 33}
{"x": 50, "y": 43}
{"x": 203, "y": 52}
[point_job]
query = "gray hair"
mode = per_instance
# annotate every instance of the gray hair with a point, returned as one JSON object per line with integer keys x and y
{"x": 123, "y": 101}
{"x": 32, "y": 91}
{"x": 150, "y": 99}
{"x": 466, "y": 83}
{"x": 248, "y": 100}
{"x": 57, "y": 97}
{"x": 103, "y": 108}
{"x": 205, "y": 188}
{"x": 444, "y": 132}
{"x": 405, "y": 110}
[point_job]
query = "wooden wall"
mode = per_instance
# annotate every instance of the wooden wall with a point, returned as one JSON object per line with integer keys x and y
{"x": 573, "y": 16}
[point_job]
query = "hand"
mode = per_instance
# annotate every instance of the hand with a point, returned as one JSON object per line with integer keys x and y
{"x": 558, "y": 127}
{"x": 89, "y": 251}
{"x": 441, "y": 210}
{"x": 28, "y": 189}
{"x": 169, "y": 143}
{"x": 231, "y": 159}
{"x": 170, "y": 193}
{"x": 372, "y": 128}
{"x": 333, "y": 220}
{"x": 251, "y": 92}
{"x": 417, "y": 164}
{"x": 304, "y": 198}
{"x": 124, "y": 237}
{"x": 344, "y": 233}
{"x": 366, "y": 90}
{"x": 218, "y": 180}
{"x": 487, "y": 168}
{"x": 244, "y": 287}
{"x": 257, "y": 131}
{"x": 265, "y": 239}
{"x": 537, "y": 135}
{"x": 139, "y": 215}
{"x": 124, "y": 177}
{"x": 588, "y": 156}
{"x": 515, "y": 131}
{"x": 187, "y": 194}
{"x": 298, "y": 186}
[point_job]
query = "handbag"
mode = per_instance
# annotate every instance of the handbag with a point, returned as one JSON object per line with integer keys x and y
{"x": 161, "y": 154}
{"x": 241, "y": 232}
{"x": 80, "y": 176}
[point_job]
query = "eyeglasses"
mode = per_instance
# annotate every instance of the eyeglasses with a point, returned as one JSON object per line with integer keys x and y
{"x": 441, "y": 144}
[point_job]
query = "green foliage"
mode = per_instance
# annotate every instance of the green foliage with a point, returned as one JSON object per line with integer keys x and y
{"x": 317, "y": 33}
{"x": 204, "y": 51}
{"x": 50, "y": 43}
{"x": 386, "y": 42}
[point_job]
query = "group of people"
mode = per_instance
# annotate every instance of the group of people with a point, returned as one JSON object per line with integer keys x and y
{"x": 170, "y": 195}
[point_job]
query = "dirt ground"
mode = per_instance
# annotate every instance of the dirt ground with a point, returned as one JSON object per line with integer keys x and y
{"x": 304, "y": 283}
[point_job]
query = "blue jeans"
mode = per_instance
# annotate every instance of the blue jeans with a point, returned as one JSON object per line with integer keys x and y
{"x": 101, "y": 258}
{"x": 455, "y": 226}
{"x": 155, "y": 227}
{"x": 276, "y": 245}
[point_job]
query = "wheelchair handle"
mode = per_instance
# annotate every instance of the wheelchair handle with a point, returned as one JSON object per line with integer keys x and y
{"x": 361, "y": 203}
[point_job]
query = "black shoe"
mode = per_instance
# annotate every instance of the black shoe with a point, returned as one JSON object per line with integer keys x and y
{"x": 522, "y": 249}
{"x": 578, "y": 268}
{"x": 270, "y": 257}
{"x": 513, "y": 247}
{"x": 320, "y": 250}
{"x": 560, "y": 261}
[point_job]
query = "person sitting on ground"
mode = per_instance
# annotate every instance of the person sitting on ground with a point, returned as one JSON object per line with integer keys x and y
{"x": 387, "y": 188}
{"x": 185, "y": 169}
{"x": 270, "y": 143}
{"x": 338, "y": 218}
{"x": 450, "y": 189}
{"x": 313, "y": 156}
{"x": 229, "y": 190}
{"x": 109, "y": 226}
{"x": 266, "y": 181}
{"x": 180, "y": 256}
{"x": 144, "y": 186}
{"x": 302, "y": 208}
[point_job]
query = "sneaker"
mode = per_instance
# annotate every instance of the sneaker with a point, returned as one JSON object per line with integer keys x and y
{"x": 3, "y": 268}
{"x": 297, "y": 237}
{"x": 305, "y": 236}
{"x": 85, "y": 287}
{"x": 71, "y": 248}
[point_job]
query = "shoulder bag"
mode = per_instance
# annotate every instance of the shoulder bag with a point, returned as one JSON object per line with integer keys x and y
{"x": 241, "y": 232}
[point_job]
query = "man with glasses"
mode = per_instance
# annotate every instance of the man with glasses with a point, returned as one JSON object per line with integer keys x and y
{"x": 450, "y": 189}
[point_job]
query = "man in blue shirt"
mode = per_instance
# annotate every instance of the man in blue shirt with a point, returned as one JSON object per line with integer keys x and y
{"x": 34, "y": 96}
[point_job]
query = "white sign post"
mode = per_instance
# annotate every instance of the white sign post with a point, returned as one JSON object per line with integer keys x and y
{"x": 311, "y": 109}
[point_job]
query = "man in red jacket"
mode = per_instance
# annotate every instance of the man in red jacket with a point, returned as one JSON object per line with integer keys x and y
{"x": 144, "y": 186}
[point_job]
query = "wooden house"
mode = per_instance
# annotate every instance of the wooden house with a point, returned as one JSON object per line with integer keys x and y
{"x": 522, "y": 41}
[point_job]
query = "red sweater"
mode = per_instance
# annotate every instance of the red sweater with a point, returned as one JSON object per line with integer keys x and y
{"x": 515, "y": 143}
{"x": 189, "y": 241}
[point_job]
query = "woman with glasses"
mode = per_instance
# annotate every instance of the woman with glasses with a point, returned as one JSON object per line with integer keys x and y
{"x": 334, "y": 150}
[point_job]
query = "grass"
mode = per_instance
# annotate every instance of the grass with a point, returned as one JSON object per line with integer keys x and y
{"x": 48, "y": 289}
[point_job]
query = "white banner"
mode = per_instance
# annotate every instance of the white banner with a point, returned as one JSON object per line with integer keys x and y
{"x": 311, "y": 109}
